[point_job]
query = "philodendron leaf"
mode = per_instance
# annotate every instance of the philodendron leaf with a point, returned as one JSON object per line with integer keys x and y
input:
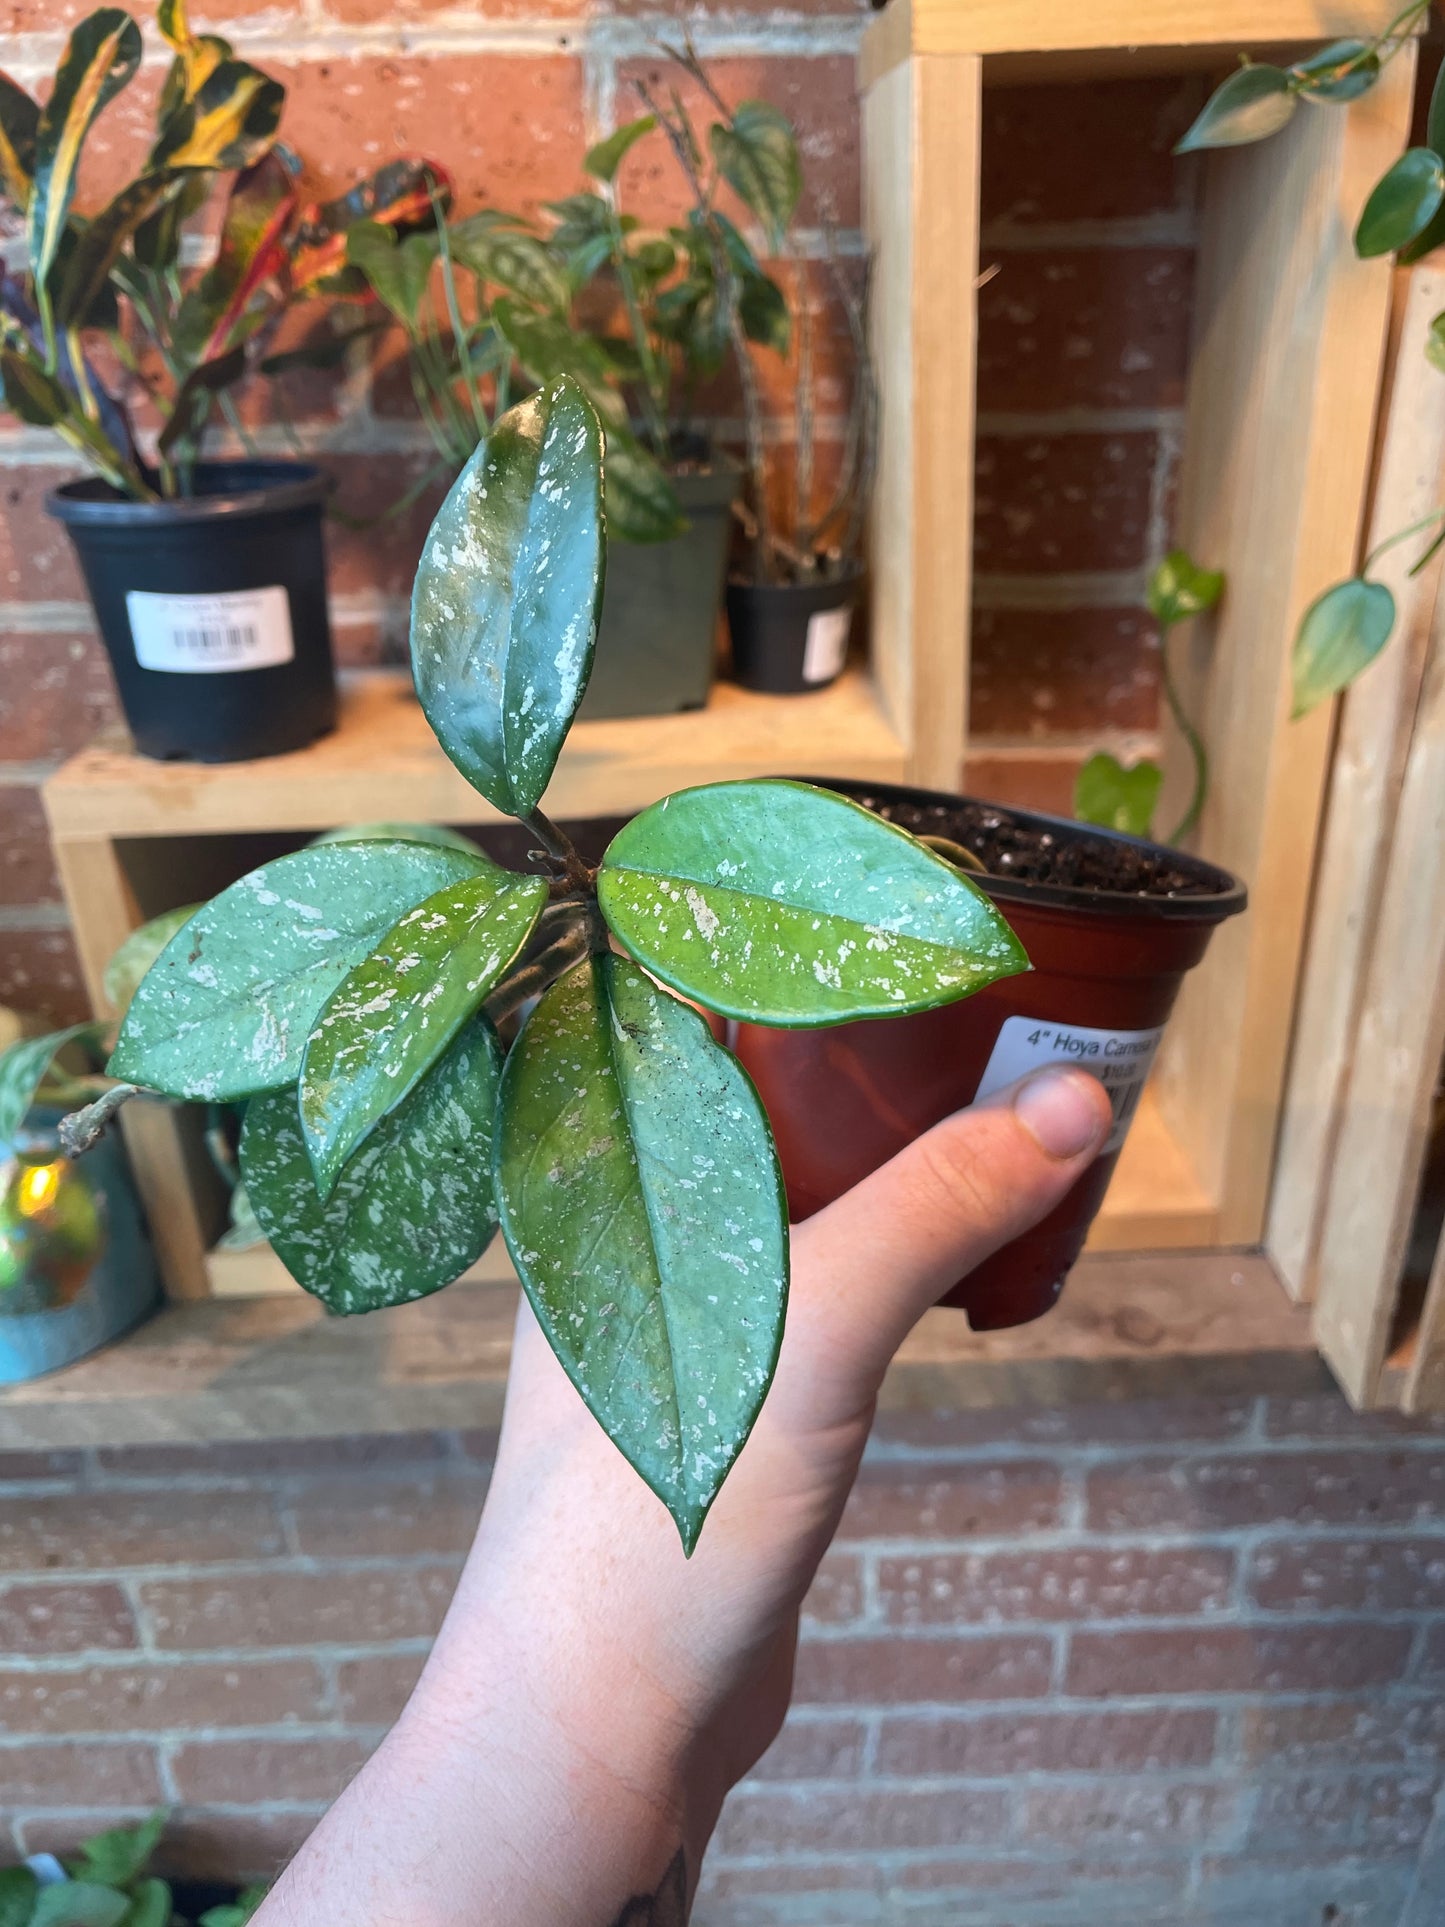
{"x": 1433, "y": 233}
{"x": 1252, "y": 104}
{"x": 1342, "y": 71}
{"x": 227, "y": 1007}
{"x": 1342, "y": 633}
{"x": 642, "y": 505}
{"x": 118, "y": 1856}
{"x": 22, "y": 1071}
{"x": 504, "y": 611}
{"x": 603, "y": 160}
{"x": 18, "y": 1888}
{"x": 785, "y": 904}
{"x": 1118, "y": 798}
{"x": 1402, "y": 203}
{"x": 1179, "y": 588}
{"x": 392, "y": 1016}
{"x": 642, "y": 1204}
{"x": 757, "y": 155}
{"x": 78, "y": 1903}
{"x": 100, "y": 57}
{"x": 411, "y": 1210}
{"x": 397, "y": 270}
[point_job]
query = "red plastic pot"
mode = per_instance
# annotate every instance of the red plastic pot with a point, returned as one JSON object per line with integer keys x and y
{"x": 1107, "y": 965}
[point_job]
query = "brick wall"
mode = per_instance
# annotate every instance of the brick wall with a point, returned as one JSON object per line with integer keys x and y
{"x": 1084, "y": 339}
{"x": 1172, "y": 1663}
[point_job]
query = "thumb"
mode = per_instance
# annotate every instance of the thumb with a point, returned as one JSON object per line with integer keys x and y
{"x": 868, "y": 1266}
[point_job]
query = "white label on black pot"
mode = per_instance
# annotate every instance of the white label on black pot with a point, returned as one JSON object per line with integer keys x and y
{"x": 827, "y": 644}
{"x": 1120, "y": 1059}
{"x": 209, "y": 635}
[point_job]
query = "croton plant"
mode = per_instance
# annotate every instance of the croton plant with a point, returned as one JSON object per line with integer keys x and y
{"x": 356, "y": 995}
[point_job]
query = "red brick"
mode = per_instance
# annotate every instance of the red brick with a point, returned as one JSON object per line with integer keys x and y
{"x": 249, "y": 1772}
{"x": 1042, "y": 672}
{"x": 1345, "y": 1656}
{"x": 997, "y": 1745}
{"x": 231, "y": 1845}
{"x": 1350, "y": 1575}
{"x": 27, "y": 868}
{"x": 369, "y": 1518}
{"x": 91, "y": 1775}
{"x": 56, "y": 693}
{"x": 899, "y": 1498}
{"x": 1328, "y": 1416}
{"x": 819, "y": 95}
{"x": 814, "y": 1749}
{"x": 1083, "y": 1582}
{"x": 372, "y": 1691}
{"x": 64, "y": 1619}
{"x": 245, "y": 1458}
{"x": 889, "y": 1671}
{"x": 40, "y": 972}
{"x": 1033, "y": 137}
{"x": 1121, "y": 1814}
{"x": 1431, "y": 1664}
{"x": 37, "y": 562}
{"x": 382, "y": 553}
{"x": 136, "y": 1528}
{"x": 47, "y": 16}
{"x": 1084, "y": 328}
{"x": 836, "y": 1594}
{"x": 1044, "y": 784}
{"x": 1108, "y": 1883}
{"x": 1289, "y": 1890}
{"x": 1047, "y": 503}
{"x": 745, "y": 1884}
{"x": 396, "y": 12}
{"x": 1289, "y": 1488}
{"x": 1128, "y": 1422}
{"x": 1383, "y": 1813}
{"x": 344, "y": 1608}
{"x": 161, "y": 1698}
{"x": 784, "y": 1821}
{"x": 1369, "y": 1732}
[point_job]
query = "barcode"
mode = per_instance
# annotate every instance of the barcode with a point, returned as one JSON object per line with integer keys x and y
{"x": 1126, "y": 1102}
{"x": 203, "y": 642}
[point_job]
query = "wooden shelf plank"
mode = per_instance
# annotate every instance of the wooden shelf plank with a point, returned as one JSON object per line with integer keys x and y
{"x": 384, "y": 762}
{"x": 280, "y": 1368}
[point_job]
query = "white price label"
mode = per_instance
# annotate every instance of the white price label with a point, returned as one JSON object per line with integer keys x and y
{"x": 209, "y": 635}
{"x": 827, "y": 644}
{"x": 1120, "y": 1059}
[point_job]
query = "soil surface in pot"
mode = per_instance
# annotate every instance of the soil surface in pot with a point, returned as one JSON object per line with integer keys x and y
{"x": 1009, "y": 847}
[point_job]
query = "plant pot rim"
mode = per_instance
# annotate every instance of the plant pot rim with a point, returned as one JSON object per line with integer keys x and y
{"x": 1224, "y": 896}
{"x": 236, "y": 489}
{"x": 847, "y": 576}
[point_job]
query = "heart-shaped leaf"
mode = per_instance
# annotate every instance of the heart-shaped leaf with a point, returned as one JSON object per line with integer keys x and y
{"x": 1342, "y": 633}
{"x": 118, "y": 1856}
{"x": 100, "y": 58}
{"x": 642, "y": 505}
{"x": 785, "y": 904}
{"x": 516, "y": 261}
{"x": 1118, "y": 798}
{"x": 1253, "y": 103}
{"x": 504, "y": 611}
{"x": 603, "y": 160}
{"x": 642, "y": 1204}
{"x": 414, "y": 1207}
{"x": 398, "y": 270}
{"x": 392, "y": 1016}
{"x": 22, "y": 1071}
{"x": 1402, "y": 203}
{"x": 757, "y": 155}
{"x": 228, "y": 1005}
{"x": 1342, "y": 71}
{"x": 1179, "y": 588}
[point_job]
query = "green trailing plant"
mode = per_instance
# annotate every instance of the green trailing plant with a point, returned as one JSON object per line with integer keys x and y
{"x": 108, "y": 1884}
{"x": 1347, "y": 626}
{"x": 429, "y": 1045}
{"x": 1121, "y": 798}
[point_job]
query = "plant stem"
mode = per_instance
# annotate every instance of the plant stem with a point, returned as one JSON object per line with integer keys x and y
{"x": 803, "y": 526}
{"x": 654, "y": 400}
{"x": 537, "y": 976}
{"x": 559, "y": 846}
{"x": 1403, "y": 535}
{"x": 1195, "y": 741}
{"x": 449, "y": 283}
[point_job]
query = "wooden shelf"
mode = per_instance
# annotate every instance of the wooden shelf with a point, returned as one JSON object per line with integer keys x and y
{"x": 1214, "y": 1324}
{"x": 383, "y": 761}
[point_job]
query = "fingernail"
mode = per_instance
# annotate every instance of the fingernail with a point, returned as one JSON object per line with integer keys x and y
{"x": 1061, "y": 1110}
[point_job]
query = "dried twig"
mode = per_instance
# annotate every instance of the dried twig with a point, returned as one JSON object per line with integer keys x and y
{"x": 85, "y": 1128}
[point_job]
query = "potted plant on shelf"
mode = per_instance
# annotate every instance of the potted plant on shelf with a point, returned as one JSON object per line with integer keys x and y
{"x": 208, "y": 578}
{"x": 107, "y": 1882}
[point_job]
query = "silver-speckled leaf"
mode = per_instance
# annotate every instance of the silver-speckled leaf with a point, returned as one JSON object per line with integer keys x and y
{"x": 785, "y": 904}
{"x": 226, "y": 1008}
{"x": 391, "y": 1017}
{"x": 505, "y": 605}
{"x": 642, "y": 1204}
{"x": 413, "y": 1208}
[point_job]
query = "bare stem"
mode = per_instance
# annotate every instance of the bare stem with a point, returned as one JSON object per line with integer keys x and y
{"x": 559, "y": 846}
{"x": 543, "y": 971}
{"x": 85, "y": 1128}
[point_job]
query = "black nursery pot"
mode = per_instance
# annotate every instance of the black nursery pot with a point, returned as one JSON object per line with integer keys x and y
{"x": 1110, "y": 923}
{"x": 212, "y": 608}
{"x": 790, "y": 637}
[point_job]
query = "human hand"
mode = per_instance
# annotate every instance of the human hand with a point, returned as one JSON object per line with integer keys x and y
{"x": 594, "y": 1694}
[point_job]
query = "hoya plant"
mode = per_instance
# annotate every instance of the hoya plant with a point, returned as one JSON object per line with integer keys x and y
{"x": 352, "y": 994}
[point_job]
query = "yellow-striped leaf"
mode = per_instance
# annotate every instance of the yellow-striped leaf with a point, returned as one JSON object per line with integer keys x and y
{"x": 19, "y": 120}
{"x": 230, "y": 121}
{"x": 100, "y": 57}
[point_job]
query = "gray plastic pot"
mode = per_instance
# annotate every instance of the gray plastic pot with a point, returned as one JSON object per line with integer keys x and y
{"x": 656, "y": 644}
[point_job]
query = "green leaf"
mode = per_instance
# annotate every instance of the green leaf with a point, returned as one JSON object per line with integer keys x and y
{"x": 139, "y": 951}
{"x": 603, "y": 160}
{"x": 397, "y": 270}
{"x": 1342, "y": 71}
{"x": 1432, "y": 234}
{"x": 1253, "y": 103}
{"x": 228, "y": 1005}
{"x": 19, "y": 124}
{"x": 1118, "y": 798}
{"x": 392, "y": 1016}
{"x": 22, "y": 1072}
{"x": 548, "y": 347}
{"x": 78, "y": 1903}
{"x": 230, "y": 121}
{"x": 100, "y": 57}
{"x": 763, "y": 310}
{"x": 18, "y": 1888}
{"x": 150, "y": 1905}
{"x": 1402, "y": 203}
{"x": 120, "y": 1855}
{"x": 435, "y": 834}
{"x": 654, "y": 259}
{"x": 234, "y": 1913}
{"x": 1435, "y": 343}
{"x": 412, "y": 1209}
{"x": 642, "y": 1204}
{"x": 757, "y": 155}
{"x": 785, "y": 904}
{"x": 156, "y": 243}
{"x": 642, "y": 505}
{"x": 259, "y": 214}
{"x": 196, "y": 397}
{"x": 401, "y": 195}
{"x": 519, "y": 262}
{"x": 1342, "y": 633}
{"x": 30, "y": 393}
{"x": 1179, "y": 588}
{"x": 81, "y": 279}
{"x": 504, "y": 611}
